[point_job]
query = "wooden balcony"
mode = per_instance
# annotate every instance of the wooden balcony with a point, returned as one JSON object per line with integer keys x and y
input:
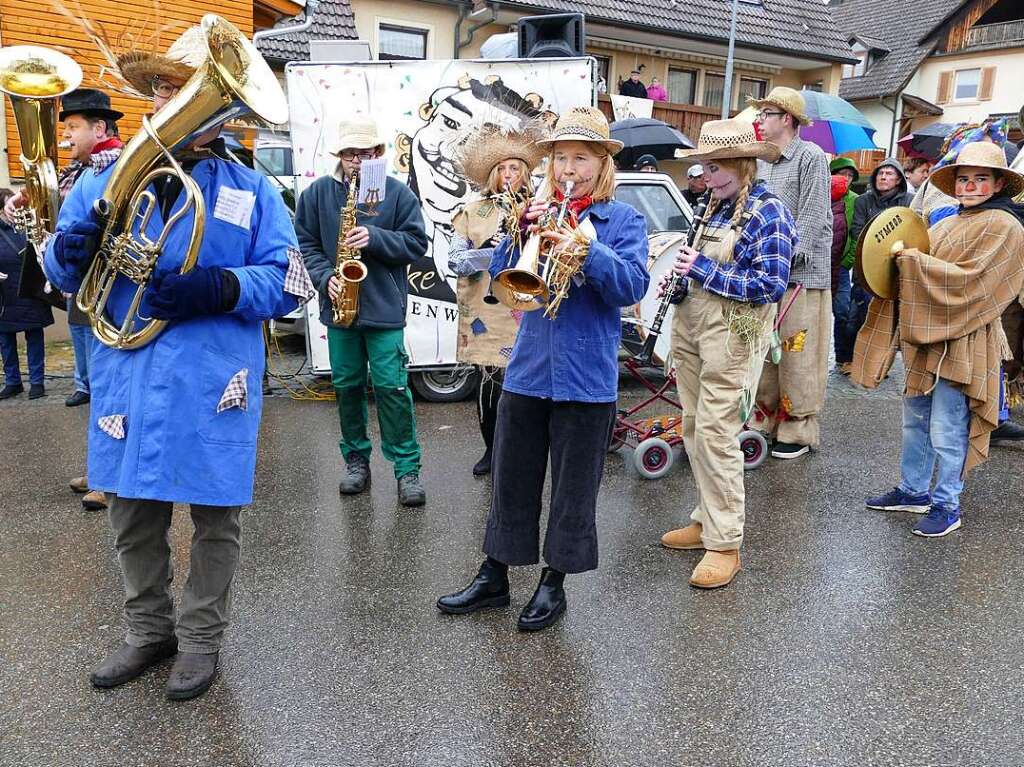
{"x": 686, "y": 118}
{"x": 1008, "y": 34}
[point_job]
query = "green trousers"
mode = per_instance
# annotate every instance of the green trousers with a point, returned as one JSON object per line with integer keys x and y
{"x": 351, "y": 350}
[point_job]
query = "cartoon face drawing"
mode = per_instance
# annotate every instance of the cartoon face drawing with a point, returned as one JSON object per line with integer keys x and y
{"x": 432, "y": 175}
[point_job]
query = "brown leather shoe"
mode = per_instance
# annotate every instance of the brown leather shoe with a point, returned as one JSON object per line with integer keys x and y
{"x": 79, "y": 485}
{"x": 716, "y": 569}
{"x": 94, "y": 500}
{"x": 684, "y": 538}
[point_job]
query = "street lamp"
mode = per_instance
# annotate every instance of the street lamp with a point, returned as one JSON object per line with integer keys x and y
{"x": 727, "y": 95}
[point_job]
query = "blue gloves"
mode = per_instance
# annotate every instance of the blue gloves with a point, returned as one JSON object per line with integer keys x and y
{"x": 76, "y": 247}
{"x": 203, "y": 291}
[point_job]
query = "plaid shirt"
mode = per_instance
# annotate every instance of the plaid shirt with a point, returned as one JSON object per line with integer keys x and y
{"x": 801, "y": 179}
{"x": 98, "y": 161}
{"x": 759, "y": 270}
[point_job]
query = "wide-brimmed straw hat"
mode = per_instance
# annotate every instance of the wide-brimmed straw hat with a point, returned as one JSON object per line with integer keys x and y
{"x": 728, "y": 140}
{"x": 786, "y": 99}
{"x": 184, "y": 56}
{"x": 979, "y": 154}
{"x": 587, "y": 124}
{"x": 357, "y": 133}
{"x": 482, "y": 146}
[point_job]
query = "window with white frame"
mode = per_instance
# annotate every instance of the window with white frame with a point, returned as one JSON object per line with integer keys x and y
{"x": 682, "y": 85}
{"x": 858, "y": 69}
{"x": 604, "y": 66}
{"x": 967, "y": 83}
{"x": 401, "y": 43}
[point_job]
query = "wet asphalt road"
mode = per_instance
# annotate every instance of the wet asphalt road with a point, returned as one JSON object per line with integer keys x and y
{"x": 844, "y": 641}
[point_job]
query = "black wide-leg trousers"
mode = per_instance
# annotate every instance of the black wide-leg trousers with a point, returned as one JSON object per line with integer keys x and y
{"x": 575, "y": 436}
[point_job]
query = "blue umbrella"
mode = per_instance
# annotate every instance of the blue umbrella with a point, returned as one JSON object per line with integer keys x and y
{"x": 838, "y": 125}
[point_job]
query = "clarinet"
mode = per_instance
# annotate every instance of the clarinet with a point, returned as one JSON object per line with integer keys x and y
{"x": 676, "y": 289}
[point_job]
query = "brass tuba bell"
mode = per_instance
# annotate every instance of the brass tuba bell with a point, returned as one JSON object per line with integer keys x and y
{"x": 234, "y": 82}
{"x": 34, "y": 78}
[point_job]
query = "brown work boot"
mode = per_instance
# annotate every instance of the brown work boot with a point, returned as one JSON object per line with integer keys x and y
{"x": 684, "y": 538}
{"x": 94, "y": 500}
{"x": 79, "y": 485}
{"x": 716, "y": 569}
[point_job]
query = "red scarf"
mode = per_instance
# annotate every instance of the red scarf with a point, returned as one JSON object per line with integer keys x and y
{"x": 108, "y": 143}
{"x": 576, "y": 205}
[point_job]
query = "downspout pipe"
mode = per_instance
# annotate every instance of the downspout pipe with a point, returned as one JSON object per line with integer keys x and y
{"x": 311, "y": 6}
{"x": 890, "y": 151}
{"x": 463, "y": 15}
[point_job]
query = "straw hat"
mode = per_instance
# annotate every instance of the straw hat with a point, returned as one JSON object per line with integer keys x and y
{"x": 728, "y": 140}
{"x": 786, "y": 99}
{"x": 483, "y": 145}
{"x": 184, "y": 56}
{"x": 586, "y": 124}
{"x": 979, "y": 154}
{"x": 357, "y": 133}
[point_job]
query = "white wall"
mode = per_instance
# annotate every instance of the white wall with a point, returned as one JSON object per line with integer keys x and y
{"x": 881, "y": 118}
{"x": 1007, "y": 93}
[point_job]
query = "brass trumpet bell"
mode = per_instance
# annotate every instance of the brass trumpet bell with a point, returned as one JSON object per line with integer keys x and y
{"x": 522, "y": 286}
{"x": 34, "y": 78}
{"x": 875, "y": 264}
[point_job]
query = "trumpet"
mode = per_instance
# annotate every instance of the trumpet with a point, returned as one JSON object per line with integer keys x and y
{"x": 542, "y": 276}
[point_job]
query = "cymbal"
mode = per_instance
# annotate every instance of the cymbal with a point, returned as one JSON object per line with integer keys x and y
{"x": 875, "y": 265}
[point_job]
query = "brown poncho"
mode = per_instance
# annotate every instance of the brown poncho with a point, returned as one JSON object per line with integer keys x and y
{"x": 947, "y": 323}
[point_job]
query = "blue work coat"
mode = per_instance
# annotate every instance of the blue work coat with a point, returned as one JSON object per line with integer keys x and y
{"x": 575, "y": 357}
{"x": 176, "y": 446}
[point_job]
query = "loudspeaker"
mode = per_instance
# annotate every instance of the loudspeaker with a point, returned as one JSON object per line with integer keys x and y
{"x": 559, "y": 35}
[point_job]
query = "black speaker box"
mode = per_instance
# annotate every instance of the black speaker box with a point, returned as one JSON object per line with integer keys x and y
{"x": 558, "y": 35}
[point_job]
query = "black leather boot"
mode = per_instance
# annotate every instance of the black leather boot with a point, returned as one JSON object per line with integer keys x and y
{"x": 488, "y": 589}
{"x": 11, "y": 390}
{"x": 192, "y": 675}
{"x": 547, "y": 603}
{"x": 1007, "y": 431}
{"x": 357, "y": 475}
{"x": 128, "y": 662}
{"x": 483, "y": 466}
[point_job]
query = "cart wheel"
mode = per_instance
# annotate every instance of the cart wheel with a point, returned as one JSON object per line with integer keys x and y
{"x": 653, "y": 457}
{"x": 754, "y": 447}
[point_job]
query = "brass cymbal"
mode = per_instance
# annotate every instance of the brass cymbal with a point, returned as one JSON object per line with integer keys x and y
{"x": 875, "y": 265}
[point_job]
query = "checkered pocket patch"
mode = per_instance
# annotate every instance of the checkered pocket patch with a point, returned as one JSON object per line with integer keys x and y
{"x": 113, "y": 425}
{"x": 296, "y": 280}
{"x": 236, "y": 393}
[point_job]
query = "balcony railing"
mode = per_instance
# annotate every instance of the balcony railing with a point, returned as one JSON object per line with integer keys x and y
{"x": 996, "y": 34}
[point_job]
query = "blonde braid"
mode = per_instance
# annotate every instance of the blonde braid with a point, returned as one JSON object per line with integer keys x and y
{"x": 741, "y": 204}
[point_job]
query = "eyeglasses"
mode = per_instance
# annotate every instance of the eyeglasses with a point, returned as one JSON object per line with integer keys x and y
{"x": 764, "y": 114}
{"x": 350, "y": 155}
{"x": 163, "y": 89}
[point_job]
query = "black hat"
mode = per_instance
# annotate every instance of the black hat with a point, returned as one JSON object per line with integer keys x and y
{"x": 646, "y": 160}
{"x": 90, "y": 102}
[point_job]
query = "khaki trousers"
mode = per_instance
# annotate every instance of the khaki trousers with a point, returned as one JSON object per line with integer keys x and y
{"x": 711, "y": 368}
{"x": 792, "y": 393}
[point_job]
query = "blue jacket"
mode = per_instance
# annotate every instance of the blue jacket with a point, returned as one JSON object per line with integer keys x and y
{"x": 575, "y": 358}
{"x": 176, "y": 446}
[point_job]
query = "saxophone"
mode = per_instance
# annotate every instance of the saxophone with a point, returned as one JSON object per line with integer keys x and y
{"x": 349, "y": 268}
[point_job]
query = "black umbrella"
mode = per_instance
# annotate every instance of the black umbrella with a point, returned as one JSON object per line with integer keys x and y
{"x": 927, "y": 141}
{"x": 645, "y": 135}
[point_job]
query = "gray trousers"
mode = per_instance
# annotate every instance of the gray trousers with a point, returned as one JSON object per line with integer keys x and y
{"x": 141, "y": 537}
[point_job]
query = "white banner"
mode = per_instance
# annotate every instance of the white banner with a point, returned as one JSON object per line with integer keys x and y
{"x": 420, "y": 107}
{"x": 629, "y": 107}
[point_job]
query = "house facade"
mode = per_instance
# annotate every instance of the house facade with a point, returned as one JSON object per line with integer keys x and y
{"x": 925, "y": 61}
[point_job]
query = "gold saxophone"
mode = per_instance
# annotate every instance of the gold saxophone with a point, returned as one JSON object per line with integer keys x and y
{"x": 349, "y": 267}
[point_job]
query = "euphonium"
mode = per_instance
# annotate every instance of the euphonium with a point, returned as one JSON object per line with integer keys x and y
{"x": 35, "y": 78}
{"x": 235, "y": 81}
{"x": 348, "y": 267}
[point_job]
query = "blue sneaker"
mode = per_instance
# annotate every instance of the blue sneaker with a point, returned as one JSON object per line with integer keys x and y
{"x": 897, "y": 500}
{"x": 939, "y": 522}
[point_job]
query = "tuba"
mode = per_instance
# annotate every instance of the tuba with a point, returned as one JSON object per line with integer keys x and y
{"x": 349, "y": 268}
{"x": 35, "y": 78}
{"x": 234, "y": 82}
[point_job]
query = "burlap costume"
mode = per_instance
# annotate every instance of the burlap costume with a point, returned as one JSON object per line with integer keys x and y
{"x": 946, "y": 321}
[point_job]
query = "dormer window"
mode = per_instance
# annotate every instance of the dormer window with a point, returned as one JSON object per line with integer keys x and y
{"x": 858, "y": 69}
{"x": 868, "y": 51}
